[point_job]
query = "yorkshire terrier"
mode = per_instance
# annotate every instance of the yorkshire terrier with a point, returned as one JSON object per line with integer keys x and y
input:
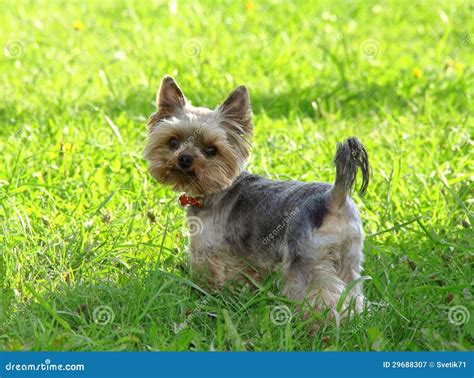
{"x": 249, "y": 225}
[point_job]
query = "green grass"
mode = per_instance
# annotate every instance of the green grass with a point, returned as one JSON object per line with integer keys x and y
{"x": 84, "y": 225}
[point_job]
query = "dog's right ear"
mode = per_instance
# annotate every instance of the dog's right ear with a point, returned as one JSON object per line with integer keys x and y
{"x": 170, "y": 98}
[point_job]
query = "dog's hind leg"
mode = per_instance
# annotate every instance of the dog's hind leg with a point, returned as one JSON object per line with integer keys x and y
{"x": 313, "y": 279}
{"x": 323, "y": 268}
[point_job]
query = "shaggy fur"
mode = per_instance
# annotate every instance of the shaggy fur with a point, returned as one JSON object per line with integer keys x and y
{"x": 249, "y": 225}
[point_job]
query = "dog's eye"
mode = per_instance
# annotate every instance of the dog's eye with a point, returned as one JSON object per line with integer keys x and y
{"x": 210, "y": 151}
{"x": 173, "y": 143}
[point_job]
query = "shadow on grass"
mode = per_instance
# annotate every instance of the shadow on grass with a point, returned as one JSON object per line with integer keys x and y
{"x": 311, "y": 101}
{"x": 346, "y": 99}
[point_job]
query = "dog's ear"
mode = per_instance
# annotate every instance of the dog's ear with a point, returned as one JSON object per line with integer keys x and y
{"x": 235, "y": 111}
{"x": 170, "y": 98}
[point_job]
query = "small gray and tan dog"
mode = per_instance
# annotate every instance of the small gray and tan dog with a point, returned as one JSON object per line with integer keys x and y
{"x": 247, "y": 225}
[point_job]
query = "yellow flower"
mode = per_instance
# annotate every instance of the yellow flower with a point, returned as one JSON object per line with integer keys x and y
{"x": 417, "y": 72}
{"x": 249, "y": 5}
{"x": 78, "y": 25}
{"x": 453, "y": 67}
{"x": 65, "y": 147}
{"x": 458, "y": 67}
{"x": 449, "y": 64}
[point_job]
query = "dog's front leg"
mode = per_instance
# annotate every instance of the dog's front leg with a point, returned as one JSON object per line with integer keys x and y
{"x": 207, "y": 268}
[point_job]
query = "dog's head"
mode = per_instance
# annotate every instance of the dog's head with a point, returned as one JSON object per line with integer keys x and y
{"x": 198, "y": 150}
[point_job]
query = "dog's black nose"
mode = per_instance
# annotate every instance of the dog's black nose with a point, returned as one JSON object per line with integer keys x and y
{"x": 185, "y": 161}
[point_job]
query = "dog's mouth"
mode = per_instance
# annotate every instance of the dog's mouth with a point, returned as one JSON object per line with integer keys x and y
{"x": 189, "y": 173}
{"x": 185, "y": 180}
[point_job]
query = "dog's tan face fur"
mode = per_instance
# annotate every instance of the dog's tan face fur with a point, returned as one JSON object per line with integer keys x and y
{"x": 216, "y": 143}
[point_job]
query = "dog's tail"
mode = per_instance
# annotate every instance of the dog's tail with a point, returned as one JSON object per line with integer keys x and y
{"x": 350, "y": 155}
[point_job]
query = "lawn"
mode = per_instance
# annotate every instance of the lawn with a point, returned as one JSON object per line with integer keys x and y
{"x": 93, "y": 250}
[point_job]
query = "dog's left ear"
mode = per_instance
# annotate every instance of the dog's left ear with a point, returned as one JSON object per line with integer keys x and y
{"x": 170, "y": 98}
{"x": 235, "y": 111}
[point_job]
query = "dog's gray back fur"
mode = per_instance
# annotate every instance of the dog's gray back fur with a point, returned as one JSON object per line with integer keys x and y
{"x": 264, "y": 219}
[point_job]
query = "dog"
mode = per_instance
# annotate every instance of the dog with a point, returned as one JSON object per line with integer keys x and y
{"x": 247, "y": 225}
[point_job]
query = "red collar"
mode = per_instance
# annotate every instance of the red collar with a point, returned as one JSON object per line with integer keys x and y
{"x": 193, "y": 201}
